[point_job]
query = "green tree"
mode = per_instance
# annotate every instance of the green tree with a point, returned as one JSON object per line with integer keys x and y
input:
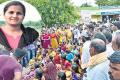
{"x": 102, "y": 2}
{"x": 55, "y": 11}
{"x": 107, "y": 2}
{"x": 115, "y": 2}
{"x": 1, "y": 1}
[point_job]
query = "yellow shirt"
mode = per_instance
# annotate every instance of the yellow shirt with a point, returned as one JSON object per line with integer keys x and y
{"x": 68, "y": 33}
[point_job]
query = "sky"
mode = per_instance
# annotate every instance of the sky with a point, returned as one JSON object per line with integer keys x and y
{"x": 80, "y": 2}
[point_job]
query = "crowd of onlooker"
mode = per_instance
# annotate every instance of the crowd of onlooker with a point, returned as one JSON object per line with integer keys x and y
{"x": 80, "y": 52}
{"x": 83, "y": 52}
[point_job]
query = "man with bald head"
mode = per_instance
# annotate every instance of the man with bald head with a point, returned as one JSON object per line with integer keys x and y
{"x": 98, "y": 63}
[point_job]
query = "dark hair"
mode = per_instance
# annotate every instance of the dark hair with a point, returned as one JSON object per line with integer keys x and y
{"x": 77, "y": 61}
{"x": 38, "y": 73}
{"x": 99, "y": 45}
{"x": 100, "y": 35}
{"x": 90, "y": 26}
{"x": 36, "y": 65}
{"x": 19, "y": 53}
{"x": 51, "y": 58}
{"x": 78, "y": 56}
{"x": 115, "y": 57}
{"x": 16, "y": 3}
{"x": 117, "y": 24}
{"x": 62, "y": 75}
{"x": 108, "y": 35}
{"x": 75, "y": 68}
{"x": 63, "y": 56}
{"x": 22, "y": 27}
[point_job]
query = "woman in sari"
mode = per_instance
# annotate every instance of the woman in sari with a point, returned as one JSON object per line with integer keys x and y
{"x": 45, "y": 39}
{"x": 54, "y": 42}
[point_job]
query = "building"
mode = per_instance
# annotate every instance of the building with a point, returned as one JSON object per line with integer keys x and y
{"x": 102, "y": 13}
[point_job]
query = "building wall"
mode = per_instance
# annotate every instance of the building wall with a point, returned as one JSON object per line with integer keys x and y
{"x": 96, "y": 18}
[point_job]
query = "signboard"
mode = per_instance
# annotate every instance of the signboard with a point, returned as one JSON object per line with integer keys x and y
{"x": 110, "y": 13}
{"x": 109, "y": 7}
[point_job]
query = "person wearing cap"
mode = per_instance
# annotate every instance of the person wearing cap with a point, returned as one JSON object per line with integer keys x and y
{"x": 10, "y": 69}
{"x": 114, "y": 70}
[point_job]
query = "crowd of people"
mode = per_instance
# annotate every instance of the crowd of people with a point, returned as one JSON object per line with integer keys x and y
{"x": 82, "y": 52}
{"x": 66, "y": 52}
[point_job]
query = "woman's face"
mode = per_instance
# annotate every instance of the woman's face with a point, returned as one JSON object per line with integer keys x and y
{"x": 14, "y": 15}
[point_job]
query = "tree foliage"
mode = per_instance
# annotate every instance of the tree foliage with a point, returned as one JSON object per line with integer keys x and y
{"x": 107, "y": 2}
{"x": 115, "y": 2}
{"x": 1, "y": 1}
{"x": 55, "y": 11}
{"x": 102, "y": 2}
